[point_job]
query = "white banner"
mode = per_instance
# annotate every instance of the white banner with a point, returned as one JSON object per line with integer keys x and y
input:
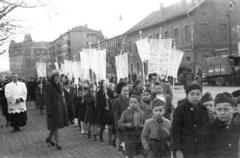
{"x": 84, "y": 64}
{"x": 174, "y": 62}
{"x": 102, "y": 65}
{"x": 160, "y": 50}
{"x": 143, "y": 49}
{"x": 165, "y": 51}
{"x": 154, "y": 49}
{"x": 56, "y": 65}
{"x": 238, "y": 47}
{"x": 41, "y": 69}
{"x": 122, "y": 66}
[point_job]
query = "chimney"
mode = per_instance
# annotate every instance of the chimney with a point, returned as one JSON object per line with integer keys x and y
{"x": 161, "y": 6}
{"x": 86, "y": 25}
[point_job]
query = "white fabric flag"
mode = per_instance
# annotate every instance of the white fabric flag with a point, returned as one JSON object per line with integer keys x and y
{"x": 102, "y": 65}
{"x": 165, "y": 52}
{"x": 56, "y": 65}
{"x": 143, "y": 49}
{"x": 41, "y": 69}
{"x": 84, "y": 65}
{"x": 154, "y": 50}
{"x": 122, "y": 66}
{"x": 174, "y": 62}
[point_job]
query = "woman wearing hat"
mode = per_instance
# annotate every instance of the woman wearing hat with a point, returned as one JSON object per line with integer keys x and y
{"x": 56, "y": 109}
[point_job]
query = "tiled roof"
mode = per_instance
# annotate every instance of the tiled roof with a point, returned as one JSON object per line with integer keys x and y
{"x": 166, "y": 14}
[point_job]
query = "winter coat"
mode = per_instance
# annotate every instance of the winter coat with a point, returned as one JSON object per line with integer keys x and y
{"x": 39, "y": 98}
{"x": 220, "y": 140}
{"x": 90, "y": 109}
{"x": 119, "y": 105}
{"x": 69, "y": 96}
{"x": 188, "y": 121}
{"x": 101, "y": 105}
{"x": 57, "y": 116}
{"x": 3, "y": 100}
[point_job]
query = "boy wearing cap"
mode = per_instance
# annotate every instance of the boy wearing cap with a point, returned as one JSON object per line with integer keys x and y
{"x": 220, "y": 137}
{"x": 188, "y": 119}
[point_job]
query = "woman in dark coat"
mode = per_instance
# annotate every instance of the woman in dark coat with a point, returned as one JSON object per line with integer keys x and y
{"x": 90, "y": 112}
{"x": 3, "y": 102}
{"x": 69, "y": 96}
{"x": 56, "y": 109}
{"x": 119, "y": 105}
{"x": 103, "y": 107}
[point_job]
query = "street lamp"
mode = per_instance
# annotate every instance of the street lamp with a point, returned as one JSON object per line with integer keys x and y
{"x": 230, "y": 9}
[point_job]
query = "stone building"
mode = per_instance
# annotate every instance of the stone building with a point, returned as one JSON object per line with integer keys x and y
{"x": 68, "y": 45}
{"x": 24, "y": 55}
{"x": 200, "y": 28}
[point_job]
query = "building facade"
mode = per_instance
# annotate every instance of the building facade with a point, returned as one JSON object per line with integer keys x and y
{"x": 68, "y": 45}
{"x": 24, "y": 55}
{"x": 200, "y": 28}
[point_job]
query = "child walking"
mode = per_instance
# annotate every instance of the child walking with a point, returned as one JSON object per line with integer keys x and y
{"x": 132, "y": 121}
{"x": 220, "y": 137}
{"x": 156, "y": 132}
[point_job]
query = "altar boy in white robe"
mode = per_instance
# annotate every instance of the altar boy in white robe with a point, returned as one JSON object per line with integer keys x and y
{"x": 16, "y": 94}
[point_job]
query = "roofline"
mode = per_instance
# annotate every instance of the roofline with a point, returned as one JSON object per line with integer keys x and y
{"x": 185, "y": 14}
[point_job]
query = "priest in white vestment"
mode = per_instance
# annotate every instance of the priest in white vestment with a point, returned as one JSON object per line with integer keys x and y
{"x": 16, "y": 94}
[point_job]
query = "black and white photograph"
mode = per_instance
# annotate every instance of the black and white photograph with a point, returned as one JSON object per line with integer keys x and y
{"x": 119, "y": 78}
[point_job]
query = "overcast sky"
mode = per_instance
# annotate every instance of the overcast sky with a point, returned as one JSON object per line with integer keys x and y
{"x": 48, "y": 22}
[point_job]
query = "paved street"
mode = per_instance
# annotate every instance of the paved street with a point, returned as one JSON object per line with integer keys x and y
{"x": 30, "y": 142}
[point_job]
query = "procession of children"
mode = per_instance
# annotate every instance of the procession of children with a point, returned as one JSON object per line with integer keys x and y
{"x": 141, "y": 121}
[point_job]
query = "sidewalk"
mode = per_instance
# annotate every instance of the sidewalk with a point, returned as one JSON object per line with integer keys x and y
{"x": 30, "y": 142}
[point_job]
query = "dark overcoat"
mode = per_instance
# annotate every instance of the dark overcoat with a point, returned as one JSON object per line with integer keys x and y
{"x": 220, "y": 140}
{"x": 3, "y": 100}
{"x": 188, "y": 121}
{"x": 101, "y": 105}
{"x": 39, "y": 98}
{"x": 69, "y": 96}
{"x": 57, "y": 116}
{"x": 119, "y": 105}
{"x": 90, "y": 109}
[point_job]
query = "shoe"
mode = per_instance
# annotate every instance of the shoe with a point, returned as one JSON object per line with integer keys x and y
{"x": 58, "y": 147}
{"x": 16, "y": 129}
{"x": 49, "y": 142}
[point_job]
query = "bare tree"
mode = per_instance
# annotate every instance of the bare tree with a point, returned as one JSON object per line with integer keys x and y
{"x": 8, "y": 25}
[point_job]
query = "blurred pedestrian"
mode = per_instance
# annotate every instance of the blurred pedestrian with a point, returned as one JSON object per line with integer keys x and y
{"x": 56, "y": 109}
{"x": 16, "y": 94}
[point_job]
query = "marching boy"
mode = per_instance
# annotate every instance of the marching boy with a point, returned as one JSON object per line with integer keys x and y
{"x": 131, "y": 122}
{"x": 220, "y": 137}
{"x": 156, "y": 132}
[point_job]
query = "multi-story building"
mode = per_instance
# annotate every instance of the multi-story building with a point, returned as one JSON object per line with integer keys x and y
{"x": 68, "y": 45}
{"x": 200, "y": 28}
{"x": 24, "y": 55}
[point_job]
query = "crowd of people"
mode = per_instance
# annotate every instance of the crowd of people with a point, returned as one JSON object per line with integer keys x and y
{"x": 140, "y": 120}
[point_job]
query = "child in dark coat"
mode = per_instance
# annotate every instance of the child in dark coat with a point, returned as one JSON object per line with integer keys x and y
{"x": 156, "y": 132}
{"x": 188, "y": 120}
{"x": 145, "y": 104}
{"x": 220, "y": 137}
{"x": 131, "y": 122}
